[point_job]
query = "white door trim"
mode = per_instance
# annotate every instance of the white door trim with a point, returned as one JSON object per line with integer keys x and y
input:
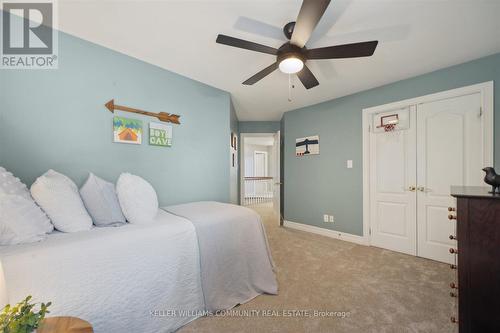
{"x": 242, "y": 158}
{"x": 276, "y": 185}
{"x": 326, "y": 232}
{"x": 487, "y": 102}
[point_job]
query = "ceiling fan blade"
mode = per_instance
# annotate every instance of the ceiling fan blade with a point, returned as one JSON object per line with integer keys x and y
{"x": 309, "y": 16}
{"x": 260, "y": 75}
{"x": 307, "y": 78}
{"x": 364, "y": 49}
{"x": 259, "y": 28}
{"x": 244, "y": 44}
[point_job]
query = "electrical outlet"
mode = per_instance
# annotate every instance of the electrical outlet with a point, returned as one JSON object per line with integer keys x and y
{"x": 325, "y": 218}
{"x": 331, "y": 220}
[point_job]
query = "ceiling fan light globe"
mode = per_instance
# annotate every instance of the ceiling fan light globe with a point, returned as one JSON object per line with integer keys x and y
{"x": 291, "y": 65}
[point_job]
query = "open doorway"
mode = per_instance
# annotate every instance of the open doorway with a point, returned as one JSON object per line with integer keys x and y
{"x": 260, "y": 170}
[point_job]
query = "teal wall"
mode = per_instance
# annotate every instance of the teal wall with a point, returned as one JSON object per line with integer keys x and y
{"x": 259, "y": 126}
{"x": 57, "y": 119}
{"x": 321, "y": 184}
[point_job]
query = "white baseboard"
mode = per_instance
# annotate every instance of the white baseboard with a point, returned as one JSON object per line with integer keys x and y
{"x": 327, "y": 232}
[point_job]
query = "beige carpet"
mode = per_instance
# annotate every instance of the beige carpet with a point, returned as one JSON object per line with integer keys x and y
{"x": 374, "y": 290}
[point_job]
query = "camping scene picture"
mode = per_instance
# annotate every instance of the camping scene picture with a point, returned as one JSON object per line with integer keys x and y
{"x": 307, "y": 146}
{"x": 126, "y": 130}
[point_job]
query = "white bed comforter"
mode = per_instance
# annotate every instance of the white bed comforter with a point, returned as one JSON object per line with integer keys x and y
{"x": 116, "y": 278}
{"x": 236, "y": 263}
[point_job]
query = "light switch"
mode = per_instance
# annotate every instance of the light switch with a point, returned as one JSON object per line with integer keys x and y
{"x": 349, "y": 164}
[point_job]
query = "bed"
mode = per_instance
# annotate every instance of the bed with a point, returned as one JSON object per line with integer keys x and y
{"x": 236, "y": 263}
{"x": 146, "y": 278}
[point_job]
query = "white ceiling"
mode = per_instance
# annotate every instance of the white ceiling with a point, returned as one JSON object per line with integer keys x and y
{"x": 416, "y": 37}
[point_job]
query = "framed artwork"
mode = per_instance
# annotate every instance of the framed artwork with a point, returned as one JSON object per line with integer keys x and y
{"x": 160, "y": 134}
{"x": 126, "y": 130}
{"x": 307, "y": 146}
{"x": 234, "y": 141}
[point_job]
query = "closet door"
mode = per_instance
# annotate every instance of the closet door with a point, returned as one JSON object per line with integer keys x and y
{"x": 392, "y": 188}
{"x": 449, "y": 152}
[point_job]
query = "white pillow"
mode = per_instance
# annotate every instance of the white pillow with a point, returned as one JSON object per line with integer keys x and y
{"x": 137, "y": 198}
{"x": 12, "y": 185}
{"x": 21, "y": 220}
{"x": 99, "y": 197}
{"x": 59, "y": 198}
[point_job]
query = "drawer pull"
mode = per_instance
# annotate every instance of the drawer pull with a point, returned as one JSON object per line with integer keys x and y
{"x": 454, "y": 320}
{"x": 453, "y": 251}
{"x": 453, "y": 237}
{"x": 453, "y": 266}
{"x": 451, "y": 209}
{"x": 452, "y": 217}
{"x": 453, "y": 285}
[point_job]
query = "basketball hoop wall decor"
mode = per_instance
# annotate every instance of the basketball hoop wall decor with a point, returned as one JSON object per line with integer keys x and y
{"x": 307, "y": 146}
{"x": 391, "y": 121}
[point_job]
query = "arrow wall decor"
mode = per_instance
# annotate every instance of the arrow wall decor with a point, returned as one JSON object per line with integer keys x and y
{"x": 162, "y": 116}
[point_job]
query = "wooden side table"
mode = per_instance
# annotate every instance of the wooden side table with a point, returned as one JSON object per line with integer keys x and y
{"x": 64, "y": 325}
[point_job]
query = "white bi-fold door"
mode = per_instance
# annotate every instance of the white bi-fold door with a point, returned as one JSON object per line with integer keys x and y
{"x": 412, "y": 169}
{"x": 449, "y": 152}
{"x": 392, "y": 187}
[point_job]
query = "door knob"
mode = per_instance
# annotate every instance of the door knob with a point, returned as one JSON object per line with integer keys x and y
{"x": 452, "y": 217}
{"x": 411, "y": 188}
{"x": 453, "y": 251}
{"x": 453, "y": 285}
{"x": 421, "y": 188}
{"x": 454, "y": 320}
{"x": 453, "y": 266}
{"x": 451, "y": 209}
{"x": 453, "y": 237}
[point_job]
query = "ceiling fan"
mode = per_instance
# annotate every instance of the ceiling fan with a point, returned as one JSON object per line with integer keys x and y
{"x": 291, "y": 56}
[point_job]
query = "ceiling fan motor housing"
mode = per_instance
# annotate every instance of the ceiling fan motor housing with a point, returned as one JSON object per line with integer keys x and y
{"x": 288, "y": 50}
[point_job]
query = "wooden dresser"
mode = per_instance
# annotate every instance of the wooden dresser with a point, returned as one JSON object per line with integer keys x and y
{"x": 478, "y": 259}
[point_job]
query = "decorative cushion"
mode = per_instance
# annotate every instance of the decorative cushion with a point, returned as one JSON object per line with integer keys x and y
{"x": 137, "y": 198}
{"x": 59, "y": 198}
{"x": 21, "y": 220}
{"x": 12, "y": 185}
{"x": 99, "y": 197}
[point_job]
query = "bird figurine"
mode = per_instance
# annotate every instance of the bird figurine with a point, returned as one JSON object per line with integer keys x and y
{"x": 491, "y": 178}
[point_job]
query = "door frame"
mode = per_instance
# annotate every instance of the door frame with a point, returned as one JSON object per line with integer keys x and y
{"x": 487, "y": 105}
{"x": 242, "y": 159}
